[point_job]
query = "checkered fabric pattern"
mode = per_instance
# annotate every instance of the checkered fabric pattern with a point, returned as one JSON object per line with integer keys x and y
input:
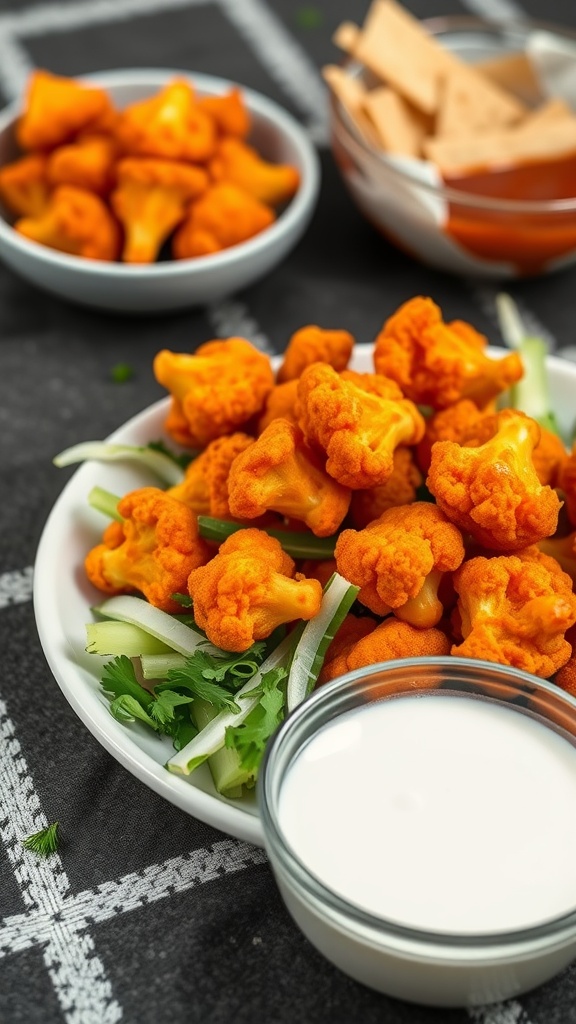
{"x": 147, "y": 915}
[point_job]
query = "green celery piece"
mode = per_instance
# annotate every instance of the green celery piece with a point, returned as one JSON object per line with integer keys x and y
{"x": 105, "y": 502}
{"x": 135, "y": 610}
{"x": 105, "y": 451}
{"x": 531, "y": 394}
{"x": 108, "y": 637}
{"x": 157, "y": 666}
{"x": 227, "y": 772}
{"x": 298, "y": 545}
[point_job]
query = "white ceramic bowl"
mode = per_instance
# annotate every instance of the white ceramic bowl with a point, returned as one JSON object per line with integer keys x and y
{"x": 175, "y": 284}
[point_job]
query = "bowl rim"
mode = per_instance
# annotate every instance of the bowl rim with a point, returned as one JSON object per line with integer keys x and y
{"x": 316, "y": 893}
{"x": 436, "y": 26}
{"x": 290, "y": 217}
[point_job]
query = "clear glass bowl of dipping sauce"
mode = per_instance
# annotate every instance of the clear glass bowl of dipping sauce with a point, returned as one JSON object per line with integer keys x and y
{"x": 501, "y": 224}
{"x": 419, "y": 819}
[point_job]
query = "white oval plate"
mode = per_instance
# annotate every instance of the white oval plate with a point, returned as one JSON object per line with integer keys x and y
{"x": 63, "y": 598}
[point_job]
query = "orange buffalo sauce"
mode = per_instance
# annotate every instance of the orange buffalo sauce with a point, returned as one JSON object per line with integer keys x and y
{"x": 527, "y": 240}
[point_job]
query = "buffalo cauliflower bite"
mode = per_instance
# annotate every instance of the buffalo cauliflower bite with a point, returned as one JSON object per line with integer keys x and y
{"x": 313, "y": 344}
{"x": 399, "y": 489}
{"x": 239, "y": 164}
{"x": 281, "y": 473}
{"x": 205, "y": 485}
{"x": 437, "y": 364}
{"x": 389, "y": 640}
{"x": 398, "y": 561}
{"x": 454, "y": 423}
{"x": 358, "y": 420}
{"x": 247, "y": 590}
{"x": 218, "y": 389}
{"x": 86, "y": 163}
{"x": 281, "y": 402}
{"x": 228, "y": 112}
{"x": 56, "y": 109}
{"x": 150, "y": 199}
{"x": 353, "y": 628}
{"x": 170, "y": 125}
{"x": 224, "y": 216}
{"x": 515, "y": 610}
{"x": 493, "y": 491}
{"x": 153, "y": 550}
{"x": 24, "y": 185}
{"x": 567, "y": 483}
{"x": 563, "y": 550}
{"x": 74, "y": 221}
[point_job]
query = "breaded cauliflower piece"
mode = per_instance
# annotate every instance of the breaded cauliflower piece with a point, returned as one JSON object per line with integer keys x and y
{"x": 353, "y": 629}
{"x": 218, "y": 389}
{"x": 153, "y": 550}
{"x": 24, "y": 186}
{"x": 85, "y": 163}
{"x": 437, "y": 364}
{"x": 74, "y": 221}
{"x": 567, "y": 483}
{"x": 493, "y": 491}
{"x": 515, "y": 610}
{"x": 398, "y": 561}
{"x": 205, "y": 485}
{"x": 170, "y": 125}
{"x": 358, "y": 420}
{"x": 281, "y": 473}
{"x": 280, "y": 402}
{"x": 389, "y": 640}
{"x": 563, "y": 550}
{"x": 399, "y": 489}
{"x": 247, "y": 590}
{"x": 237, "y": 163}
{"x": 224, "y": 216}
{"x": 56, "y": 109}
{"x": 566, "y": 677}
{"x": 314, "y": 344}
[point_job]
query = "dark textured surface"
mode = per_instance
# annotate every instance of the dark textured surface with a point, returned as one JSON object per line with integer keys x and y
{"x": 223, "y": 950}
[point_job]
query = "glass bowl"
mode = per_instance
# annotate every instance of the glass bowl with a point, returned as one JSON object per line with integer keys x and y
{"x": 427, "y": 965}
{"x": 447, "y": 227}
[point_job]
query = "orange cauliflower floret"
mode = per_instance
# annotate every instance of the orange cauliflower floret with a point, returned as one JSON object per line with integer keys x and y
{"x": 391, "y": 639}
{"x": 281, "y": 473}
{"x": 319, "y": 569}
{"x": 563, "y": 549}
{"x": 153, "y": 550}
{"x": 151, "y": 198}
{"x": 455, "y": 423}
{"x": 205, "y": 485}
{"x": 239, "y": 164}
{"x": 438, "y": 364}
{"x": 493, "y": 491}
{"x": 246, "y": 591}
{"x": 358, "y": 420}
{"x": 56, "y": 109}
{"x": 567, "y": 483}
{"x": 399, "y": 489}
{"x": 398, "y": 561}
{"x": 280, "y": 402}
{"x": 87, "y": 163}
{"x": 224, "y": 216}
{"x": 169, "y": 125}
{"x": 566, "y": 677}
{"x": 353, "y": 628}
{"x": 515, "y": 610}
{"x": 315, "y": 345}
{"x": 24, "y": 186}
{"x": 218, "y": 389}
{"x": 76, "y": 222}
{"x": 228, "y": 112}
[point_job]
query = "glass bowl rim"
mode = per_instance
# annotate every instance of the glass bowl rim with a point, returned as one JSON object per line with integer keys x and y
{"x": 436, "y": 26}
{"x": 309, "y": 886}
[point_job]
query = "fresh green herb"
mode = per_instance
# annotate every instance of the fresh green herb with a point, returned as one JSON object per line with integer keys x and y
{"x": 121, "y": 372}
{"x": 44, "y": 842}
{"x": 250, "y": 738}
{"x": 119, "y": 680}
{"x": 309, "y": 17}
{"x": 165, "y": 712}
{"x": 127, "y": 709}
{"x": 190, "y": 678}
{"x": 182, "y": 459}
{"x": 184, "y": 600}
{"x": 162, "y": 710}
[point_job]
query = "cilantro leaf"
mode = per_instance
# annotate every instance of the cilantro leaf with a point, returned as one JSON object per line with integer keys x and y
{"x": 119, "y": 679}
{"x": 250, "y": 738}
{"x": 162, "y": 710}
{"x": 127, "y": 709}
{"x": 44, "y": 842}
{"x": 190, "y": 678}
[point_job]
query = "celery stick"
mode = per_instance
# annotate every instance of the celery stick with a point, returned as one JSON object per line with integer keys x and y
{"x": 110, "y": 637}
{"x": 157, "y": 666}
{"x": 227, "y": 773}
{"x": 213, "y": 736}
{"x": 105, "y": 502}
{"x": 339, "y": 596}
{"x": 103, "y": 451}
{"x": 531, "y": 394}
{"x": 159, "y": 624}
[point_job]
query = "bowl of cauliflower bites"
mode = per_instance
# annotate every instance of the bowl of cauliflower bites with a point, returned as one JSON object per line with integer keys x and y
{"x": 146, "y": 190}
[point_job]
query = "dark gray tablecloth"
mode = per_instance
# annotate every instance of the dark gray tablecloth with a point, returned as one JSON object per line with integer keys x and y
{"x": 148, "y": 915}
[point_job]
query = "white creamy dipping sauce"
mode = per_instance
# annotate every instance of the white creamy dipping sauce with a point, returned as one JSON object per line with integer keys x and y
{"x": 439, "y": 812}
